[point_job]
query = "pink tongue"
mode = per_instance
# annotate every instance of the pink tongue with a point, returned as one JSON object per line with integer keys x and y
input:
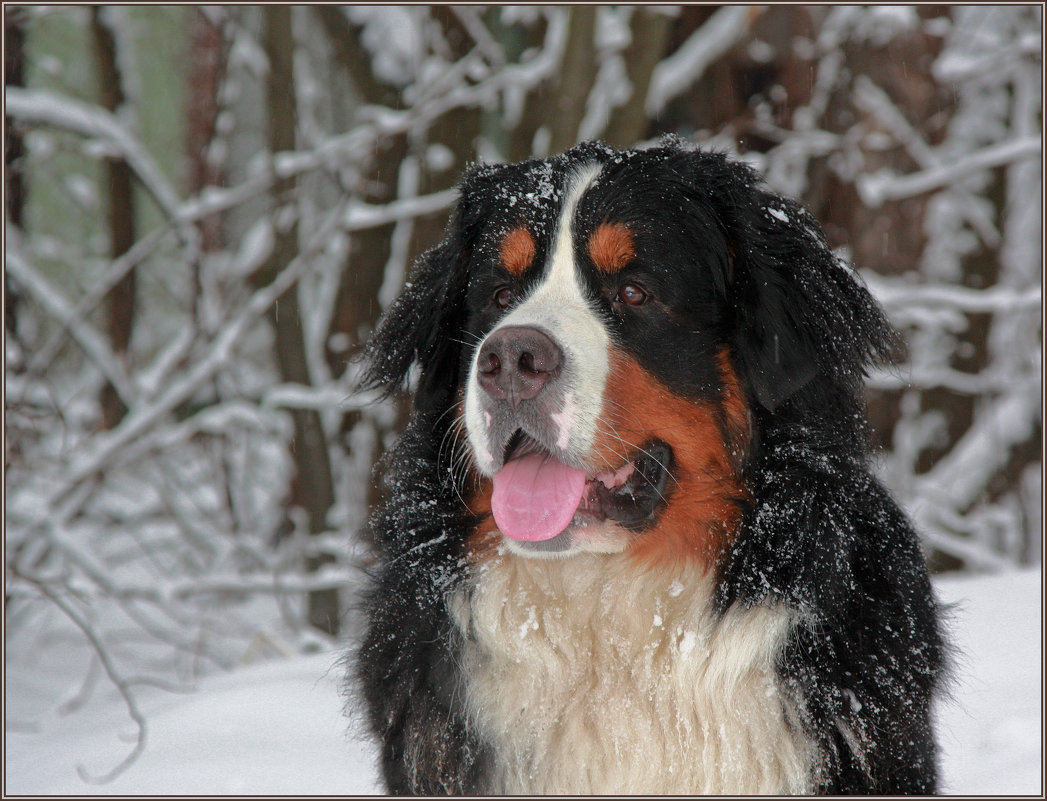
{"x": 535, "y": 497}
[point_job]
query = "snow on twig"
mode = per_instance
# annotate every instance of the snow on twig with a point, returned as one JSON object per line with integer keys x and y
{"x": 165, "y": 595}
{"x": 485, "y": 43}
{"x": 361, "y": 216}
{"x": 118, "y": 681}
{"x": 869, "y": 97}
{"x": 116, "y": 271}
{"x": 930, "y": 520}
{"x": 408, "y": 182}
{"x": 299, "y": 396}
{"x": 959, "y": 67}
{"x": 935, "y": 378}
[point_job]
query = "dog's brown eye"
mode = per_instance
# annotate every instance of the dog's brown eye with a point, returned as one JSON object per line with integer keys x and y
{"x": 632, "y": 295}
{"x": 503, "y": 297}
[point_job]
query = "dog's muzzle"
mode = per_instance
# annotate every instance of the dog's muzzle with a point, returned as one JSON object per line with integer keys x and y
{"x": 530, "y": 421}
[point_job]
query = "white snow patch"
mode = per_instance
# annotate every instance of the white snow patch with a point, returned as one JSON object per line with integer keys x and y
{"x": 255, "y": 248}
{"x": 688, "y": 642}
{"x": 991, "y": 733}
{"x": 270, "y": 729}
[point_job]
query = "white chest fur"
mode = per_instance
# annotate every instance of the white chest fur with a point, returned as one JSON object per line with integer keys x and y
{"x": 589, "y": 676}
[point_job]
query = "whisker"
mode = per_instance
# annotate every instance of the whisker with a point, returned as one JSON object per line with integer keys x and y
{"x": 476, "y": 338}
{"x": 463, "y": 343}
{"x": 460, "y": 458}
{"x": 631, "y": 447}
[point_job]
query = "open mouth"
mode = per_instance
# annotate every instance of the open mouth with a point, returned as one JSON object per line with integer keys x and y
{"x": 630, "y": 495}
{"x": 536, "y": 497}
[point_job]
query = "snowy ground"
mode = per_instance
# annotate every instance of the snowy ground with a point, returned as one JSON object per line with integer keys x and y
{"x": 277, "y": 728}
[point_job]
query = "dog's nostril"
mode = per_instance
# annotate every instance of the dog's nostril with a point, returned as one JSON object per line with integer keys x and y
{"x": 490, "y": 363}
{"x": 527, "y": 363}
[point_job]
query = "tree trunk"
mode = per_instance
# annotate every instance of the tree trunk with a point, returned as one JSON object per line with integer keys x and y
{"x": 650, "y": 32}
{"x": 14, "y": 149}
{"x": 206, "y": 70}
{"x": 576, "y": 79}
{"x": 313, "y": 486}
{"x": 120, "y": 301}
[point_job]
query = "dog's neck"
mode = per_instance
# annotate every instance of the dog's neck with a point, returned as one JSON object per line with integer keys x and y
{"x": 589, "y": 676}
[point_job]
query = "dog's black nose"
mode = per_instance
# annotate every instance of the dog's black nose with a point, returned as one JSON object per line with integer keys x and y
{"x": 516, "y": 362}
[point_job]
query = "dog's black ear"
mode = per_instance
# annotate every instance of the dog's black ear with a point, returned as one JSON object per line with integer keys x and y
{"x": 799, "y": 313}
{"x": 423, "y": 326}
{"x": 778, "y": 315}
{"x": 774, "y": 350}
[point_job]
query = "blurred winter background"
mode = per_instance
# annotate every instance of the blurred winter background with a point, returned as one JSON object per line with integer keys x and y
{"x": 206, "y": 209}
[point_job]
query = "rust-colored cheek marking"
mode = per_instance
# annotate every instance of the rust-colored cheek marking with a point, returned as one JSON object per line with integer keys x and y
{"x": 517, "y": 251}
{"x": 704, "y": 491}
{"x": 737, "y": 421}
{"x": 611, "y": 247}
{"x": 482, "y": 544}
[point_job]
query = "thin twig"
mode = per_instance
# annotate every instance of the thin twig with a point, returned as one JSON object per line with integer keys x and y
{"x": 118, "y": 681}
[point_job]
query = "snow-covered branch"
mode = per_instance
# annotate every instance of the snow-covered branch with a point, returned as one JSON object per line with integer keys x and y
{"x": 871, "y": 98}
{"x": 126, "y": 438}
{"x": 60, "y": 309}
{"x": 361, "y": 216}
{"x": 296, "y": 396}
{"x": 876, "y": 188}
{"x": 961, "y": 476}
{"x": 116, "y": 271}
{"x": 123, "y": 686}
{"x": 896, "y": 294}
{"x": 685, "y": 67}
{"x": 925, "y": 378}
{"x": 42, "y": 107}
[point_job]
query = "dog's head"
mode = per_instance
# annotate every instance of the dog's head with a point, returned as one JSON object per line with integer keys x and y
{"x": 615, "y": 330}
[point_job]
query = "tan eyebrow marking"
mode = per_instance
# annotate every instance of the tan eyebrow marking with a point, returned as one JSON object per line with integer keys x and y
{"x": 517, "y": 251}
{"x": 611, "y": 247}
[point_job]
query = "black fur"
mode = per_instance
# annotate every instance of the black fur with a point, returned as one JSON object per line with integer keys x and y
{"x": 747, "y": 271}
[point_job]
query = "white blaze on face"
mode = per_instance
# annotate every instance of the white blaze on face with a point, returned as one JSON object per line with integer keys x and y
{"x": 558, "y": 306}
{"x": 565, "y": 421}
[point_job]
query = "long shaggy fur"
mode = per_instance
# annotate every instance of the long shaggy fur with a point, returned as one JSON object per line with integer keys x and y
{"x": 786, "y": 642}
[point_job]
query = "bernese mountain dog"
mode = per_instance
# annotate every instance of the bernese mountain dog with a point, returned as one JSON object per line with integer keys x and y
{"x": 632, "y": 541}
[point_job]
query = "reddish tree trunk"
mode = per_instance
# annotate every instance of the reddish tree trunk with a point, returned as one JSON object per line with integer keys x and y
{"x": 120, "y": 302}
